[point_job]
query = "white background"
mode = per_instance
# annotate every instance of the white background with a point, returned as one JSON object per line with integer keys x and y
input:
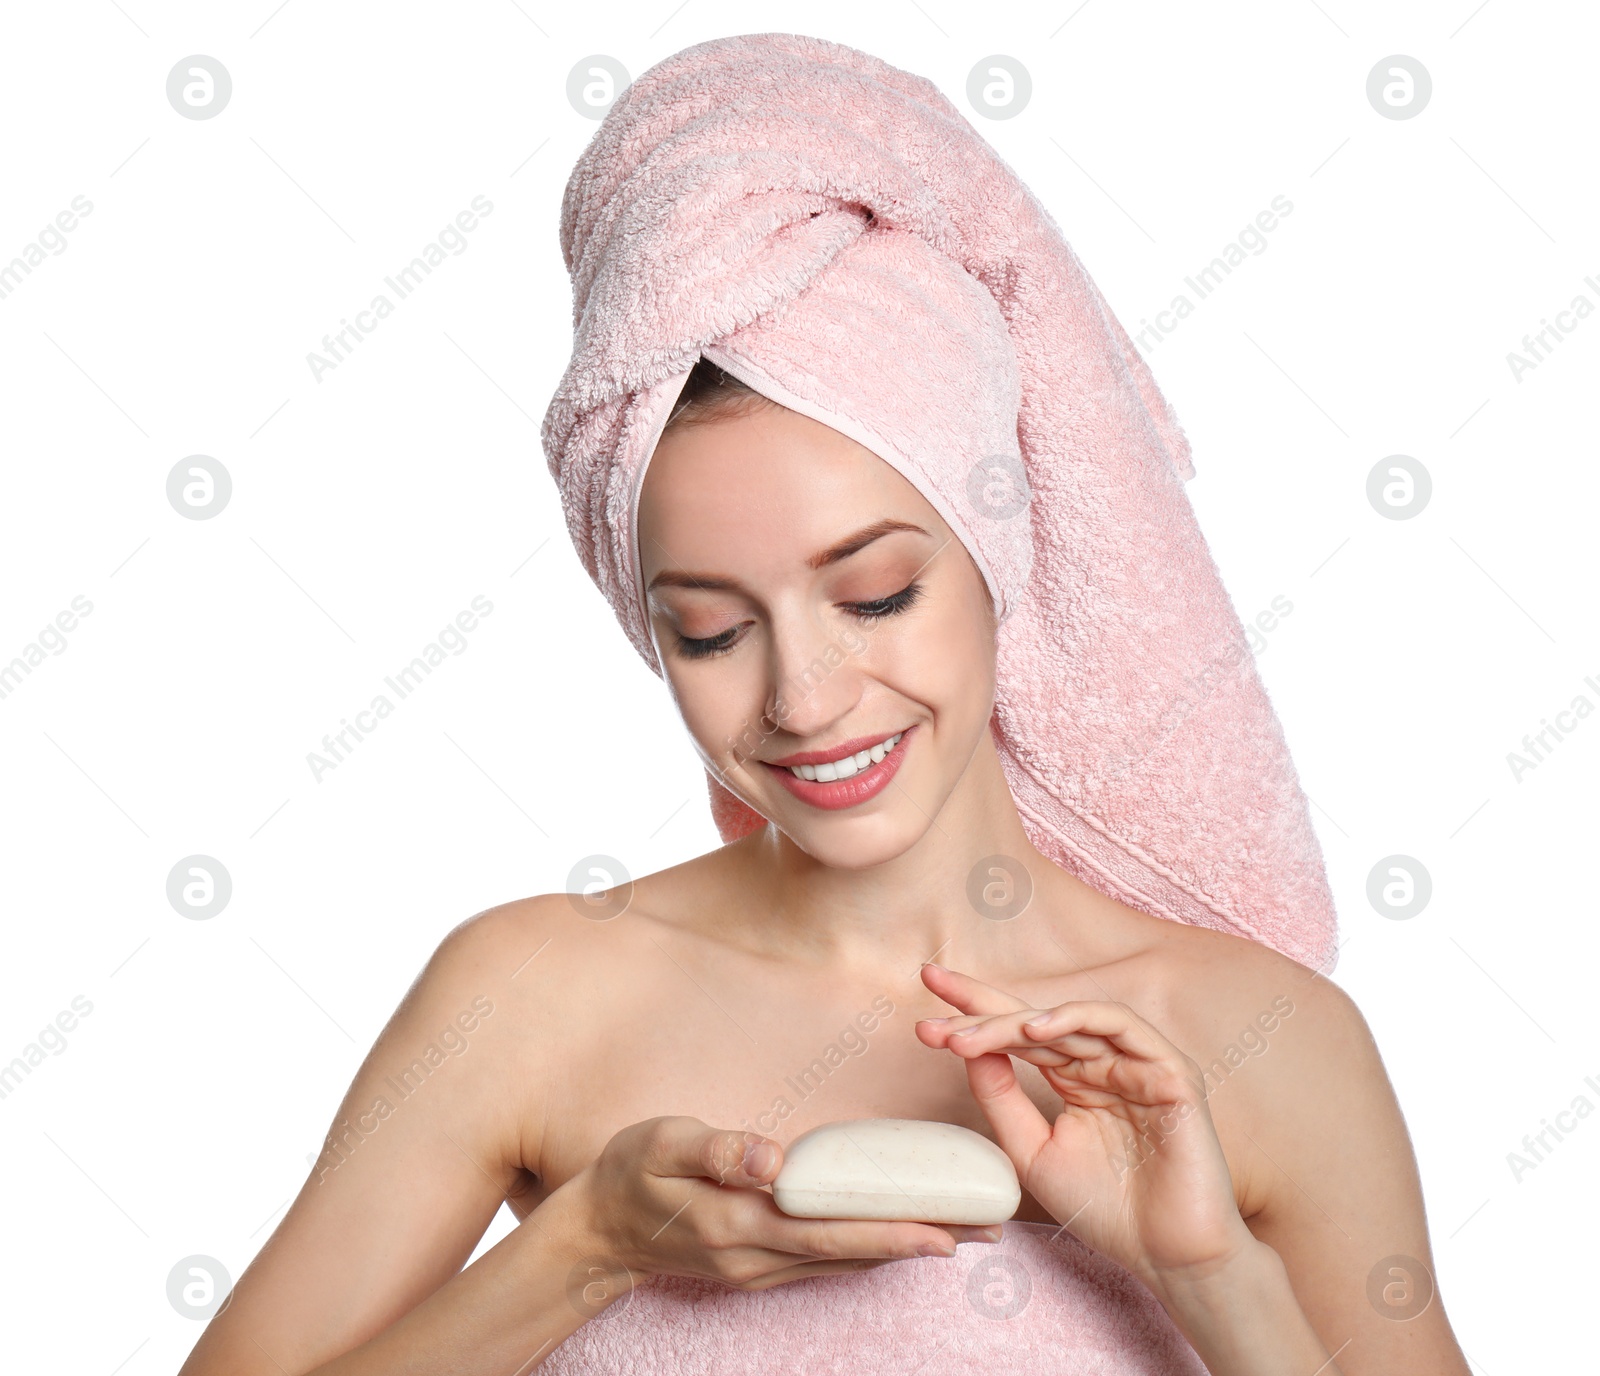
{"x": 369, "y": 508}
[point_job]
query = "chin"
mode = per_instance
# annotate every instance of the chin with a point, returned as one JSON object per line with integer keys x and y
{"x": 845, "y": 842}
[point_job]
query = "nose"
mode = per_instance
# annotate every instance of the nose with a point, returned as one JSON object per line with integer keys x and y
{"x": 816, "y": 674}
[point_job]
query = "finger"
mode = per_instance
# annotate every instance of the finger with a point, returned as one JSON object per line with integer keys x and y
{"x": 817, "y": 1268}
{"x": 968, "y": 994}
{"x": 936, "y": 1031}
{"x": 1099, "y": 1063}
{"x": 944, "y": 1033}
{"x": 1079, "y": 1046}
{"x": 1121, "y": 1030}
{"x": 1116, "y": 1022}
{"x": 754, "y": 1215}
{"x": 839, "y": 1239}
{"x": 682, "y": 1146}
{"x": 1019, "y": 1127}
{"x": 1087, "y": 1070}
{"x": 834, "y": 1267}
{"x": 975, "y": 1232}
{"x": 1012, "y": 1032}
{"x": 939, "y": 1031}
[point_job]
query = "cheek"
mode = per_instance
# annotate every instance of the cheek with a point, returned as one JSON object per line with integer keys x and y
{"x": 720, "y": 709}
{"x": 943, "y": 658}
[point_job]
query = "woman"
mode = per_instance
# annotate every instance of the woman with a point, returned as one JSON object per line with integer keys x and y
{"x": 1211, "y": 1156}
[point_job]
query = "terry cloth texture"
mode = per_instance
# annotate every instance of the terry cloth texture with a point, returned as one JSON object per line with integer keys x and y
{"x": 1038, "y": 1301}
{"x": 834, "y": 231}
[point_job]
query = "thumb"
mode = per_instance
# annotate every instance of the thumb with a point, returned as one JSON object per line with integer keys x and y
{"x": 686, "y": 1148}
{"x": 1019, "y": 1127}
{"x": 738, "y": 1158}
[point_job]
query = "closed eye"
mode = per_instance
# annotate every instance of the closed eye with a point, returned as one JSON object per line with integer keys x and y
{"x": 704, "y": 649}
{"x": 886, "y": 606}
{"x": 875, "y": 610}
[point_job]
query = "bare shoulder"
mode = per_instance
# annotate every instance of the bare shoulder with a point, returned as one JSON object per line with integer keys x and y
{"x": 480, "y": 946}
{"x": 1227, "y": 1000}
{"x": 1316, "y": 1141}
{"x": 514, "y": 964}
{"x": 1294, "y": 1081}
{"x": 537, "y": 957}
{"x": 469, "y": 1007}
{"x": 1282, "y": 1048}
{"x": 1294, "y": 1073}
{"x": 550, "y": 960}
{"x": 476, "y": 963}
{"x": 551, "y": 955}
{"x": 431, "y": 1136}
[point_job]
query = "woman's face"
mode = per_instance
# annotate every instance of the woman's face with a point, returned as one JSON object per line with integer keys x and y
{"x": 804, "y": 596}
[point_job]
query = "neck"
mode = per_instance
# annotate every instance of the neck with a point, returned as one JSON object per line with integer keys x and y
{"x": 953, "y": 897}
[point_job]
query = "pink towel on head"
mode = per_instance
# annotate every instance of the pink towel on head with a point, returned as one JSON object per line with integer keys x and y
{"x": 1036, "y": 1303}
{"x": 833, "y": 230}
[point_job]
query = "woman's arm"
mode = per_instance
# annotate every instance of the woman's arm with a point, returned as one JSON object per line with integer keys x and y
{"x": 505, "y": 1313}
{"x": 1333, "y": 1185}
{"x": 364, "y": 1272}
{"x": 1134, "y": 1167}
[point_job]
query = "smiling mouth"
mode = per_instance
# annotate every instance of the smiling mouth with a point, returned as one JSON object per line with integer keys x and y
{"x": 847, "y": 766}
{"x": 847, "y": 780}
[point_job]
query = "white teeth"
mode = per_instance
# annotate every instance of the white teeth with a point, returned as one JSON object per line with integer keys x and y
{"x": 847, "y": 767}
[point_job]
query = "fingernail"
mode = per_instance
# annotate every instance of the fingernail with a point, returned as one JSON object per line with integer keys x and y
{"x": 934, "y": 1249}
{"x": 930, "y": 965}
{"x": 964, "y": 1032}
{"x": 759, "y": 1158}
{"x": 990, "y": 1235}
{"x": 1038, "y": 1021}
{"x": 935, "y": 1019}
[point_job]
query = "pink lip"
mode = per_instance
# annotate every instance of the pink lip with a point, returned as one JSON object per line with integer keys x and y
{"x": 835, "y": 752}
{"x": 842, "y": 793}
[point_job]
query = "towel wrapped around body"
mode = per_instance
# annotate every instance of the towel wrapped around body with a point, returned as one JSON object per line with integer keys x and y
{"x": 1036, "y": 1303}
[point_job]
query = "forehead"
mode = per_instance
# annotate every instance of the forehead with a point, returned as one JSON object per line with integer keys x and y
{"x": 766, "y": 487}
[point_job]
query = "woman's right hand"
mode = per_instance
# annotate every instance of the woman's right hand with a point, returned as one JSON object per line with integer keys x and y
{"x": 674, "y": 1196}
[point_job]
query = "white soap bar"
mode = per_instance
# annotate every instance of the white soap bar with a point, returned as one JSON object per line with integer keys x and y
{"x": 897, "y": 1168}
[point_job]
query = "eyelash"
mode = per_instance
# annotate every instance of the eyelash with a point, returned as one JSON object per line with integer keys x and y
{"x": 875, "y": 610}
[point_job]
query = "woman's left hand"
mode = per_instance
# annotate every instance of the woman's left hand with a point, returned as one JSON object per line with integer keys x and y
{"x": 1132, "y": 1165}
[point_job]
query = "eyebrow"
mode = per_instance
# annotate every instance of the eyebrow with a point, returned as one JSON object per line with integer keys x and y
{"x": 851, "y": 544}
